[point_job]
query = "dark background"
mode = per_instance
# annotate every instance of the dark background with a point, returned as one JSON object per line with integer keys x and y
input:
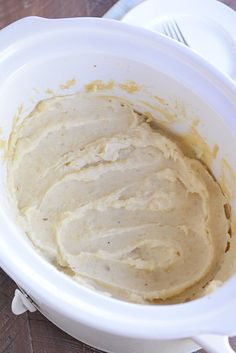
{"x": 31, "y": 332}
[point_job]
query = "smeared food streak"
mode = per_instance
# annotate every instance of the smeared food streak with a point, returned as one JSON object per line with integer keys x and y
{"x": 115, "y": 202}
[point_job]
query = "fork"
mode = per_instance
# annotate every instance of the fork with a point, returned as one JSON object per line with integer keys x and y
{"x": 171, "y": 29}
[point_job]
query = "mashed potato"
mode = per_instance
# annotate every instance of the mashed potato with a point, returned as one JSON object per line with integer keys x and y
{"x": 101, "y": 193}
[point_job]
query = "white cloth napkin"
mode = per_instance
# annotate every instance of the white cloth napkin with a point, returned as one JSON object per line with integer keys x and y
{"x": 120, "y": 8}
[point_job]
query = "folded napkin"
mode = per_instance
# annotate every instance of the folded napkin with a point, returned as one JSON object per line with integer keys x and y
{"x": 120, "y": 8}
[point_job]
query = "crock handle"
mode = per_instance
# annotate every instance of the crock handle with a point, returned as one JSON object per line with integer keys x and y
{"x": 214, "y": 343}
{"x": 21, "y": 303}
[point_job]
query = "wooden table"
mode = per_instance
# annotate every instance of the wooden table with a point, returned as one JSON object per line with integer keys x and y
{"x": 31, "y": 332}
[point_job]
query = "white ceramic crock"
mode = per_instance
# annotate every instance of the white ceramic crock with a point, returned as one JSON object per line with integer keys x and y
{"x": 38, "y": 55}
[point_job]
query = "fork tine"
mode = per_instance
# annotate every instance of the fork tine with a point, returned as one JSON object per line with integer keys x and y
{"x": 165, "y": 31}
{"x": 180, "y": 32}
